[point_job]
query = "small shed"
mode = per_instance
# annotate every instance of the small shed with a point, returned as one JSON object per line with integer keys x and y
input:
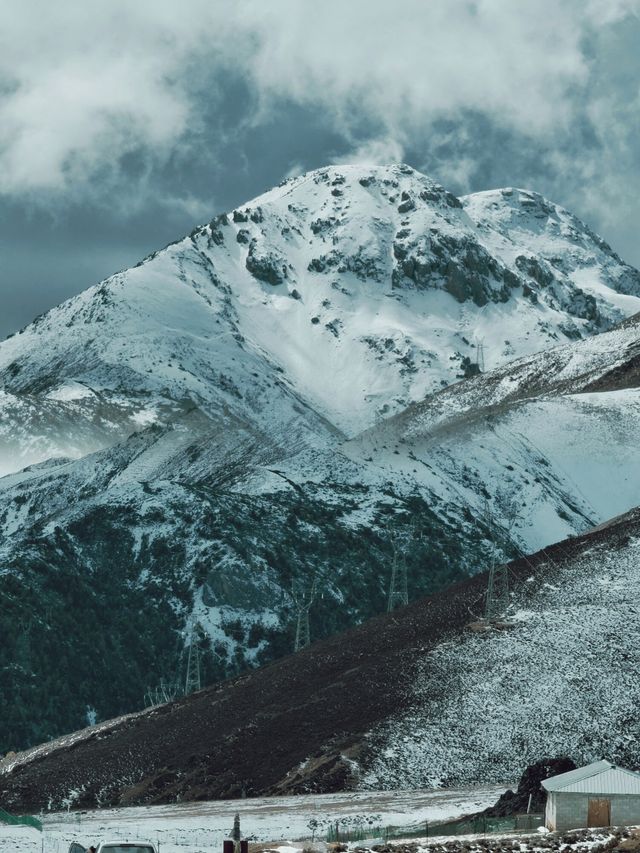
{"x": 599, "y": 794}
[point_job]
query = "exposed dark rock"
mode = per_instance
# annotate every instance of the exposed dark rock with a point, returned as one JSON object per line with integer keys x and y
{"x": 215, "y": 227}
{"x": 406, "y": 206}
{"x": 535, "y": 269}
{"x": 517, "y": 802}
{"x": 265, "y": 266}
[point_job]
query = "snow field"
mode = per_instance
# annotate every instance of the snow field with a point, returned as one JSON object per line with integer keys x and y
{"x": 201, "y": 827}
{"x": 562, "y": 681}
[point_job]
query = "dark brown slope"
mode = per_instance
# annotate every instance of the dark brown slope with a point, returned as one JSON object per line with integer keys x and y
{"x": 256, "y": 731}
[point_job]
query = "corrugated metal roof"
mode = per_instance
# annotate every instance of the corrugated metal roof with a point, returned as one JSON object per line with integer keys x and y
{"x": 601, "y": 777}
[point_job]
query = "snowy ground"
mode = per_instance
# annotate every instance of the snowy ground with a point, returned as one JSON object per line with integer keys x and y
{"x": 562, "y": 681}
{"x": 201, "y": 827}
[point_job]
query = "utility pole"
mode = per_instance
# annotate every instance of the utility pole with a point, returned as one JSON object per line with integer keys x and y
{"x": 192, "y": 680}
{"x": 303, "y": 598}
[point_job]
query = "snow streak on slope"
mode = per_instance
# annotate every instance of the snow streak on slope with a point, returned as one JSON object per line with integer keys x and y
{"x": 561, "y": 681}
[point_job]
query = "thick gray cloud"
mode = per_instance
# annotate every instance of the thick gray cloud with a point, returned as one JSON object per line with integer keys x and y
{"x": 122, "y": 124}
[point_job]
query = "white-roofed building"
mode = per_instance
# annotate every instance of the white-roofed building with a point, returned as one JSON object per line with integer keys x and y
{"x": 599, "y": 794}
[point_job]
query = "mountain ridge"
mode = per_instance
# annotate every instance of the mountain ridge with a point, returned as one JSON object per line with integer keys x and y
{"x": 182, "y": 443}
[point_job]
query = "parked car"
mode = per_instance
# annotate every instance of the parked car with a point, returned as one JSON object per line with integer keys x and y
{"x": 116, "y": 847}
{"x": 126, "y": 847}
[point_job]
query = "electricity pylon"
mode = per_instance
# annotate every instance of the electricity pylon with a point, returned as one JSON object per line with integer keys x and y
{"x": 497, "y": 592}
{"x": 398, "y": 585}
{"x": 303, "y": 597}
{"x": 497, "y": 600}
{"x": 160, "y": 695}
{"x": 193, "y": 680}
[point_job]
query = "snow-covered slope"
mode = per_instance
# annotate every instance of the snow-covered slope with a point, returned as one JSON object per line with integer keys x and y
{"x": 350, "y": 290}
{"x": 184, "y": 440}
{"x": 561, "y": 681}
{"x": 555, "y": 430}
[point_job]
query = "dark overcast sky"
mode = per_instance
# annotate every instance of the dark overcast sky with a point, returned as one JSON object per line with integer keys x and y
{"x": 124, "y": 124}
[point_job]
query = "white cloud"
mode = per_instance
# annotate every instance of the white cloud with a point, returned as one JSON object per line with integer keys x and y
{"x": 295, "y": 170}
{"x": 374, "y": 152}
{"x": 85, "y": 83}
{"x": 410, "y": 61}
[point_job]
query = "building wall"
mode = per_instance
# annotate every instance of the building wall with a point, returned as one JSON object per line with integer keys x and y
{"x": 568, "y": 810}
{"x": 625, "y": 810}
{"x": 550, "y": 811}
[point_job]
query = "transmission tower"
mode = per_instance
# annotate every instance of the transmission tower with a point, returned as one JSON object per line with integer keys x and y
{"x": 161, "y": 694}
{"x": 398, "y": 585}
{"x": 303, "y": 598}
{"x": 497, "y": 592}
{"x": 480, "y": 355}
{"x": 497, "y": 601}
{"x": 192, "y": 681}
{"x": 398, "y": 588}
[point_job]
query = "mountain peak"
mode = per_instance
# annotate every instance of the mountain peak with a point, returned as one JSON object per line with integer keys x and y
{"x": 364, "y": 287}
{"x": 386, "y": 180}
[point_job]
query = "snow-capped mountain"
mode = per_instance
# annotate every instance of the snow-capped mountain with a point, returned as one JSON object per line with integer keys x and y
{"x": 344, "y": 294}
{"x": 256, "y": 403}
{"x": 557, "y": 429}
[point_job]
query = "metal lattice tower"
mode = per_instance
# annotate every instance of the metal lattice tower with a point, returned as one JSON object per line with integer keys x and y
{"x": 192, "y": 681}
{"x": 400, "y": 539}
{"x": 398, "y": 587}
{"x": 497, "y": 601}
{"x": 497, "y": 593}
{"x": 480, "y": 355}
{"x": 161, "y": 694}
{"x": 303, "y": 598}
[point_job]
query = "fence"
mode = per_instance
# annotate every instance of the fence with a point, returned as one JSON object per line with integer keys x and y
{"x": 476, "y": 825}
{"x": 23, "y": 820}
